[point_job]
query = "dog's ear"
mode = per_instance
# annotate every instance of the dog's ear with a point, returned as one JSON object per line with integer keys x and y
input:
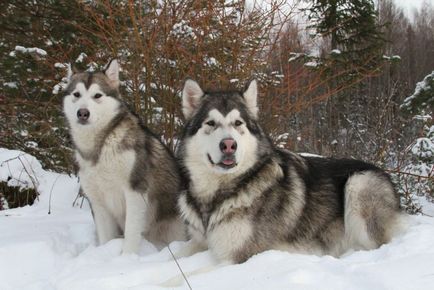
{"x": 112, "y": 72}
{"x": 191, "y": 94}
{"x": 71, "y": 70}
{"x": 250, "y": 96}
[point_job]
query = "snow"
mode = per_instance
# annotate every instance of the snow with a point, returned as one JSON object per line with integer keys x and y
{"x": 282, "y": 140}
{"x": 169, "y": 62}
{"x": 311, "y": 64}
{"x": 305, "y": 154}
{"x": 60, "y": 65}
{"x": 36, "y": 50}
{"x": 31, "y": 144}
{"x": 142, "y": 87}
{"x": 421, "y": 87}
{"x": 182, "y": 29}
{"x": 210, "y": 61}
{"x": 58, "y": 251}
{"x": 60, "y": 86}
{"x": 11, "y": 85}
{"x": 423, "y": 148}
{"x": 423, "y": 118}
{"x": 393, "y": 57}
{"x": 295, "y": 56}
{"x": 81, "y": 57}
{"x": 335, "y": 51}
{"x": 283, "y": 136}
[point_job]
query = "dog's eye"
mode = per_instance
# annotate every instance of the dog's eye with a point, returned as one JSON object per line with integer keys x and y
{"x": 238, "y": 123}
{"x": 210, "y": 123}
{"x": 97, "y": 96}
{"x": 77, "y": 94}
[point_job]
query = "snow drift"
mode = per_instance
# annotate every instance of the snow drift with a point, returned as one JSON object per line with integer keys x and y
{"x": 46, "y": 251}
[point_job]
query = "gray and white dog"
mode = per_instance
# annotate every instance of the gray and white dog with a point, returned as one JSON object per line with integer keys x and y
{"x": 247, "y": 196}
{"x": 129, "y": 177}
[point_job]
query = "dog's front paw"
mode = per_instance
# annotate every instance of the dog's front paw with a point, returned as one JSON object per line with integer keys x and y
{"x": 130, "y": 247}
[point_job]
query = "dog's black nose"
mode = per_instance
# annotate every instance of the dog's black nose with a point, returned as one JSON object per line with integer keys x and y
{"x": 228, "y": 145}
{"x": 83, "y": 114}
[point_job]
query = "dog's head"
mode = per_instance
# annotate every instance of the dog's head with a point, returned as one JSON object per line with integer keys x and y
{"x": 91, "y": 98}
{"x": 221, "y": 133}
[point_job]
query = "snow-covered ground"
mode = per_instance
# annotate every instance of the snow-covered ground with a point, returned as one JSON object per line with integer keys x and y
{"x": 58, "y": 251}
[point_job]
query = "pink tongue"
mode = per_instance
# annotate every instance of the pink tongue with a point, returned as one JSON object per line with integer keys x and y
{"x": 228, "y": 161}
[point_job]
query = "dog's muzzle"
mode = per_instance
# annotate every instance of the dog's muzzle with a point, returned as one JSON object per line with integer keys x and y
{"x": 227, "y": 161}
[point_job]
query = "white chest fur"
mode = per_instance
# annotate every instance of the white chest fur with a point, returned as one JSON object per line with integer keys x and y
{"x": 106, "y": 182}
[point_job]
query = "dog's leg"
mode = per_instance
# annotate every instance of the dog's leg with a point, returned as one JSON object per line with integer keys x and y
{"x": 135, "y": 221}
{"x": 106, "y": 227}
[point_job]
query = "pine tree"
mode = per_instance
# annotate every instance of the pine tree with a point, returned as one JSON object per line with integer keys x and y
{"x": 34, "y": 36}
{"x": 351, "y": 52}
{"x": 418, "y": 173}
{"x": 422, "y": 100}
{"x": 352, "y": 29}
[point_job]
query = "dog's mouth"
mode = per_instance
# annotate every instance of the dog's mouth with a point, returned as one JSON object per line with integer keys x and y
{"x": 227, "y": 162}
{"x": 82, "y": 122}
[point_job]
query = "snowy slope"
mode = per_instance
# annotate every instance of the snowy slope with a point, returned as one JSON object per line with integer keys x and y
{"x": 57, "y": 251}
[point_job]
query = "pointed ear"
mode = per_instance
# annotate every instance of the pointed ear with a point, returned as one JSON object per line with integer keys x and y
{"x": 191, "y": 95}
{"x": 112, "y": 72}
{"x": 71, "y": 70}
{"x": 250, "y": 97}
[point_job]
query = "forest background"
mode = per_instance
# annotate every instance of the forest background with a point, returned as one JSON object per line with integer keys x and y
{"x": 337, "y": 78}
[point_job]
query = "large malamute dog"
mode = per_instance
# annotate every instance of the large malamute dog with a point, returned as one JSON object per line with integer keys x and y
{"x": 246, "y": 196}
{"x": 129, "y": 177}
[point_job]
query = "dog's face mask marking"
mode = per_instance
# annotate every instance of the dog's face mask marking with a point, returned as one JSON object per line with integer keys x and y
{"x": 91, "y": 98}
{"x": 221, "y": 140}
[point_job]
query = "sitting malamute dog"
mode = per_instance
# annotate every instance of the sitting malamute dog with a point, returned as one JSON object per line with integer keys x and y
{"x": 129, "y": 177}
{"x": 246, "y": 196}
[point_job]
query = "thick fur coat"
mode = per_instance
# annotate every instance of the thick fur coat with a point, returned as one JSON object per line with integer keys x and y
{"x": 246, "y": 196}
{"x": 129, "y": 177}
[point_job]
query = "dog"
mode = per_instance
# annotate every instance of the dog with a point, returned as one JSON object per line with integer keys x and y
{"x": 130, "y": 178}
{"x": 246, "y": 196}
